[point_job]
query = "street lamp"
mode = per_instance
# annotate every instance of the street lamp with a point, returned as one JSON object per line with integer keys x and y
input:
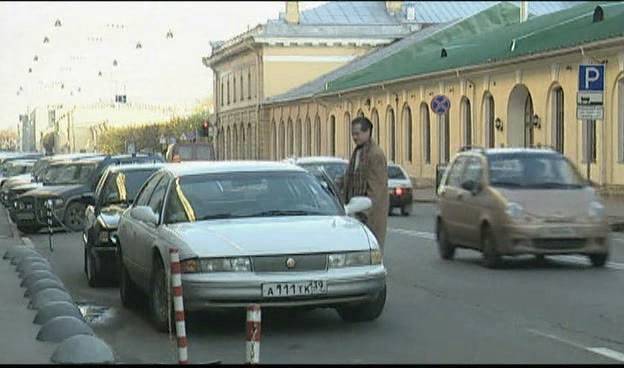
{"x": 169, "y": 34}
{"x": 138, "y": 45}
{"x": 46, "y": 39}
{"x": 57, "y": 23}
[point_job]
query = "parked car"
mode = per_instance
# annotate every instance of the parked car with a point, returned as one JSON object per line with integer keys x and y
{"x": 249, "y": 232}
{"x": 400, "y": 190}
{"x": 508, "y": 201}
{"x": 335, "y": 167}
{"x": 16, "y": 168}
{"x": 70, "y": 191}
{"x": 114, "y": 192}
{"x": 179, "y": 152}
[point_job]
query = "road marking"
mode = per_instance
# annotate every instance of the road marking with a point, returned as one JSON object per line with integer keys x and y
{"x": 606, "y": 352}
{"x": 416, "y": 234}
{"x": 585, "y": 261}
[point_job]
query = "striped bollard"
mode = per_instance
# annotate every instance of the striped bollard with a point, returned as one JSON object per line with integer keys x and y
{"x": 254, "y": 317}
{"x": 178, "y": 305}
{"x": 49, "y": 218}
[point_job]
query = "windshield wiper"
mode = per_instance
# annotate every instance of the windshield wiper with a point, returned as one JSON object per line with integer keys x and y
{"x": 284, "y": 213}
{"x": 556, "y": 185}
{"x": 506, "y": 184}
{"x": 216, "y": 216}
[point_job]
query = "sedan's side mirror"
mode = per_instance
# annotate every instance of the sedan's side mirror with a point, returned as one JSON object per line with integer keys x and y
{"x": 357, "y": 205}
{"x": 144, "y": 214}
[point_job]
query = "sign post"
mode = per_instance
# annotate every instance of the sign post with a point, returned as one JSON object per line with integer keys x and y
{"x": 589, "y": 103}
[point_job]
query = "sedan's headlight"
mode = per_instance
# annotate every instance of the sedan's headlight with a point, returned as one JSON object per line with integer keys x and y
{"x": 15, "y": 204}
{"x": 58, "y": 202}
{"x": 514, "y": 210}
{"x": 339, "y": 260}
{"x": 194, "y": 265}
{"x": 596, "y": 210}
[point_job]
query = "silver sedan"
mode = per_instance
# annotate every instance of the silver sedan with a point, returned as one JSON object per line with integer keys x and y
{"x": 249, "y": 232}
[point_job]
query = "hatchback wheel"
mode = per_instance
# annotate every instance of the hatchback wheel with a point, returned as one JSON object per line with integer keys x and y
{"x": 491, "y": 258}
{"x": 163, "y": 315}
{"x": 74, "y": 216}
{"x": 364, "y": 312}
{"x": 93, "y": 277}
{"x": 405, "y": 211}
{"x": 599, "y": 260}
{"x": 445, "y": 248}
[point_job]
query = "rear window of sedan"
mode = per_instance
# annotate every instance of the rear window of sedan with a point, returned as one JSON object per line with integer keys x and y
{"x": 239, "y": 195}
{"x": 395, "y": 172}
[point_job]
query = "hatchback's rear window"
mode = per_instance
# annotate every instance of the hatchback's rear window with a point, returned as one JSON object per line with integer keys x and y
{"x": 395, "y": 172}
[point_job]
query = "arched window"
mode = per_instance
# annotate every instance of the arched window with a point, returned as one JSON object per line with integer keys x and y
{"x": 228, "y": 144}
{"x": 332, "y": 135}
{"x": 444, "y": 143}
{"x": 528, "y": 121}
{"x": 375, "y": 121}
{"x": 282, "y": 141}
{"x": 557, "y": 119}
{"x": 242, "y": 148}
{"x": 391, "y": 134}
{"x": 488, "y": 119}
{"x": 298, "y": 141}
{"x": 308, "y": 136}
{"x": 242, "y": 94}
{"x": 236, "y": 144}
{"x": 250, "y": 141}
{"x": 317, "y": 135}
{"x": 620, "y": 117}
{"x": 289, "y": 138}
{"x": 466, "y": 117}
{"x": 222, "y": 95}
{"x": 347, "y": 124}
{"x": 273, "y": 141}
{"x": 426, "y": 124}
{"x": 407, "y": 126}
{"x": 228, "y": 91}
{"x": 234, "y": 90}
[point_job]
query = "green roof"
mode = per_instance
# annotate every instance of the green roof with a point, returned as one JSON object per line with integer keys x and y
{"x": 567, "y": 28}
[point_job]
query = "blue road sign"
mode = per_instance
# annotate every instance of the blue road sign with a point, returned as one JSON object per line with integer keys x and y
{"x": 591, "y": 77}
{"x": 440, "y": 104}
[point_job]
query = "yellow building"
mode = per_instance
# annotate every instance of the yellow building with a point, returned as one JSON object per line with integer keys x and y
{"x": 510, "y": 83}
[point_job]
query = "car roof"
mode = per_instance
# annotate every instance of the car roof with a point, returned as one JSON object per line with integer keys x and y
{"x": 23, "y": 162}
{"x": 215, "y": 167}
{"x": 135, "y": 167}
{"x": 319, "y": 159}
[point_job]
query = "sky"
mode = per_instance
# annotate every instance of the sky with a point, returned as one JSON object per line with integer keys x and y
{"x": 93, "y": 35}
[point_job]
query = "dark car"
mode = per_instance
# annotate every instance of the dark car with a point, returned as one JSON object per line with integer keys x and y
{"x": 70, "y": 190}
{"x": 16, "y": 168}
{"x": 400, "y": 190}
{"x": 179, "y": 152}
{"x": 115, "y": 191}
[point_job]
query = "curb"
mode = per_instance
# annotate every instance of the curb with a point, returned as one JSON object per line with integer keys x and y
{"x": 66, "y": 330}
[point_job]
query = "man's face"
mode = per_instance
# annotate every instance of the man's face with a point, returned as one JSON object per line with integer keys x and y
{"x": 359, "y": 137}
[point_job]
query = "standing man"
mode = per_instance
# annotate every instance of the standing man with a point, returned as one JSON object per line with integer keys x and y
{"x": 367, "y": 175}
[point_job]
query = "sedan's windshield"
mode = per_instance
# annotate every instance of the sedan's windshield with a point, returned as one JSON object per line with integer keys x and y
{"x": 69, "y": 174}
{"x": 334, "y": 170}
{"x": 530, "y": 170}
{"x": 395, "y": 172}
{"x": 237, "y": 195}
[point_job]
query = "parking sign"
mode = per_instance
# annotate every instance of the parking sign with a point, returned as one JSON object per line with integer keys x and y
{"x": 590, "y": 92}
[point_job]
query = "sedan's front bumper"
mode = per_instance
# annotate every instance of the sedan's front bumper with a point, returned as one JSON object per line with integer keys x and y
{"x": 566, "y": 238}
{"x": 238, "y": 289}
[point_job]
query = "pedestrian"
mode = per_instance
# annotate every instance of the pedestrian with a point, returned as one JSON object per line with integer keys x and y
{"x": 367, "y": 175}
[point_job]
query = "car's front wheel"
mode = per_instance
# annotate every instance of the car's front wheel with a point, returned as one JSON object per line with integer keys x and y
{"x": 599, "y": 260}
{"x": 445, "y": 248}
{"x": 160, "y": 305}
{"x": 128, "y": 291}
{"x": 363, "y": 312}
{"x": 491, "y": 258}
{"x": 74, "y": 216}
{"x": 405, "y": 210}
{"x": 93, "y": 277}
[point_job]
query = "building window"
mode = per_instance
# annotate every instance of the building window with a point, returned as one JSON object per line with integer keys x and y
{"x": 298, "y": 140}
{"x": 289, "y": 137}
{"x": 528, "y": 121}
{"x": 426, "y": 124}
{"x": 249, "y": 85}
{"x": 391, "y": 134}
{"x": 273, "y": 141}
{"x": 589, "y": 139}
{"x": 488, "y": 118}
{"x": 242, "y": 94}
{"x": 466, "y": 114}
{"x": 620, "y": 117}
{"x": 347, "y": 123}
{"x": 308, "y": 135}
{"x": 407, "y": 125}
{"x": 375, "y": 121}
{"x": 282, "y": 140}
{"x": 250, "y": 141}
{"x": 558, "y": 124}
{"x": 332, "y": 135}
{"x": 317, "y": 135}
{"x": 444, "y": 144}
{"x": 234, "y": 90}
{"x": 222, "y": 95}
{"x": 228, "y": 91}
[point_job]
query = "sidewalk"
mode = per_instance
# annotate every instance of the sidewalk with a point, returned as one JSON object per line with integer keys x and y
{"x": 18, "y": 343}
{"x": 614, "y": 205}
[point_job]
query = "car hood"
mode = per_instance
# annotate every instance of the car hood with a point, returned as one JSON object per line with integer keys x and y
{"x": 17, "y": 181}
{"x": 551, "y": 202}
{"x": 109, "y": 216}
{"x": 58, "y": 191}
{"x": 273, "y": 235}
{"x": 26, "y": 187}
{"x": 394, "y": 183}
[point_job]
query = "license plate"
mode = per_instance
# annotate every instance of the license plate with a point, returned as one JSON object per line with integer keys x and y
{"x": 560, "y": 232}
{"x": 25, "y": 216}
{"x": 289, "y": 289}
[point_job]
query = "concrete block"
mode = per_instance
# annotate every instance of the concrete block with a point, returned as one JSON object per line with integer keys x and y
{"x": 36, "y": 276}
{"x": 83, "y": 349}
{"x": 14, "y": 254}
{"x": 43, "y": 284}
{"x": 30, "y": 259}
{"x": 57, "y": 309}
{"x": 32, "y": 267}
{"x": 59, "y": 328}
{"x": 46, "y": 296}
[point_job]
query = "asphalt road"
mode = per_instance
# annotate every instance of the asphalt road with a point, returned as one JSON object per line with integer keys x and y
{"x": 560, "y": 311}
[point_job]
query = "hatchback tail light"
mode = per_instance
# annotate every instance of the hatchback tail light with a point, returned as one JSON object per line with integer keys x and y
{"x": 398, "y": 191}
